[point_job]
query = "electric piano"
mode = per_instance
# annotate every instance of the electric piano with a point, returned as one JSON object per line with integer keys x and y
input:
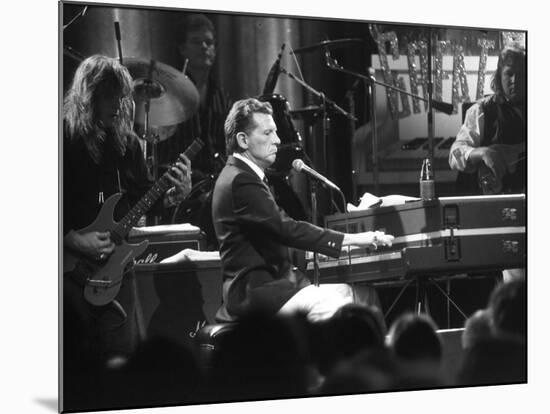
{"x": 444, "y": 236}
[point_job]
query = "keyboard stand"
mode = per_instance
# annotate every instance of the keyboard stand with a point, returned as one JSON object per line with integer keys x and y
{"x": 421, "y": 297}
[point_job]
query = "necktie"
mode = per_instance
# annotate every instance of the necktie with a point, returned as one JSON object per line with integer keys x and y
{"x": 266, "y": 182}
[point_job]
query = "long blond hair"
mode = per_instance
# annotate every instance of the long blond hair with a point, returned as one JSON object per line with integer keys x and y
{"x": 79, "y": 105}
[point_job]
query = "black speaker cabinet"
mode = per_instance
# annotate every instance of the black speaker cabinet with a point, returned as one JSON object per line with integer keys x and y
{"x": 177, "y": 299}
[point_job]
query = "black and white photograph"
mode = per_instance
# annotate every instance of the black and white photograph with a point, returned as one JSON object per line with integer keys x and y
{"x": 287, "y": 209}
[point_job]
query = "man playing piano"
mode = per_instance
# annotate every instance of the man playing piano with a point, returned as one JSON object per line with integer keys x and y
{"x": 254, "y": 233}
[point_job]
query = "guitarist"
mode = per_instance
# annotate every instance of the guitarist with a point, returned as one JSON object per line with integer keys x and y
{"x": 492, "y": 141}
{"x": 102, "y": 156}
{"x": 493, "y": 137}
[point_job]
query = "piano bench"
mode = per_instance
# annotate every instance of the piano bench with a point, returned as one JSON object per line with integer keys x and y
{"x": 209, "y": 338}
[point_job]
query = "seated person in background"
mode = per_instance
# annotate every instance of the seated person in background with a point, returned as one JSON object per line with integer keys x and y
{"x": 508, "y": 307}
{"x": 506, "y": 315}
{"x": 476, "y": 328}
{"x": 352, "y": 329}
{"x": 413, "y": 337}
{"x": 263, "y": 356}
{"x": 493, "y": 137}
{"x": 494, "y": 360}
{"x": 254, "y": 233}
{"x": 500, "y": 356}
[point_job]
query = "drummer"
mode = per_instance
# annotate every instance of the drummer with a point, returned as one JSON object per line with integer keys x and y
{"x": 196, "y": 48}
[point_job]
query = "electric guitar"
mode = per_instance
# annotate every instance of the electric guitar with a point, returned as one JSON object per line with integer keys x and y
{"x": 102, "y": 278}
{"x": 513, "y": 154}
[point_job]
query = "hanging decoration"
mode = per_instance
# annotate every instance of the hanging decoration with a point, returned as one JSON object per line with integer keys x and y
{"x": 414, "y": 76}
{"x": 417, "y": 67}
{"x": 459, "y": 82}
{"x": 381, "y": 39}
{"x": 423, "y": 48}
{"x": 406, "y": 108}
{"x": 439, "y": 74}
{"x": 517, "y": 38}
{"x": 485, "y": 45}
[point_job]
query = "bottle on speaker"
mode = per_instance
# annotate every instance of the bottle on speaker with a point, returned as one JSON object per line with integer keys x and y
{"x": 427, "y": 184}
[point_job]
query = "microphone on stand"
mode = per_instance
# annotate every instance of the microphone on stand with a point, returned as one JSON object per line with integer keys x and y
{"x": 118, "y": 41}
{"x": 301, "y": 166}
{"x": 273, "y": 74}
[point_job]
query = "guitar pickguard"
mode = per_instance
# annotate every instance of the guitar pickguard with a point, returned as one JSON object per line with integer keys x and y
{"x": 105, "y": 284}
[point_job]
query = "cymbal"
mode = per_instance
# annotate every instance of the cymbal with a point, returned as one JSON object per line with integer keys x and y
{"x": 331, "y": 44}
{"x": 172, "y": 97}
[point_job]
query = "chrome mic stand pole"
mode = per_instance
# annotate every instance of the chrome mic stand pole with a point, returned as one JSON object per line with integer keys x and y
{"x": 374, "y": 128}
{"x": 318, "y": 94}
{"x": 314, "y": 220}
{"x": 326, "y": 126}
{"x": 153, "y": 141}
{"x": 431, "y": 132}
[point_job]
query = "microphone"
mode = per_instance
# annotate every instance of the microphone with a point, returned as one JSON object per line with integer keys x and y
{"x": 119, "y": 45}
{"x": 273, "y": 74}
{"x": 117, "y": 31}
{"x": 301, "y": 166}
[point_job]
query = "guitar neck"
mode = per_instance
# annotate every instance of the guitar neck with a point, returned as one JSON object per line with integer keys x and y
{"x": 146, "y": 202}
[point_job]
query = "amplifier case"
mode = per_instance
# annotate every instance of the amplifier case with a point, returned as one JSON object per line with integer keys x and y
{"x": 177, "y": 299}
{"x": 162, "y": 246}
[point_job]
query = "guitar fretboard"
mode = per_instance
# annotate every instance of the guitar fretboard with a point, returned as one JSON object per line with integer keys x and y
{"x": 144, "y": 204}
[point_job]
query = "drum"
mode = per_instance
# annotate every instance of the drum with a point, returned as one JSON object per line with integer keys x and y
{"x": 291, "y": 142}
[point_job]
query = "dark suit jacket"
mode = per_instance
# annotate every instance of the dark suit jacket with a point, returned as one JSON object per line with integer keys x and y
{"x": 253, "y": 231}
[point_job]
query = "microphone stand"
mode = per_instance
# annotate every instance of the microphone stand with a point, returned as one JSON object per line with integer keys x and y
{"x": 318, "y": 94}
{"x": 325, "y": 103}
{"x": 325, "y": 132}
{"x": 372, "y": 82}
{"x": 431, "y": 129}
{"x": 147, "y": 92}
{"x": 371, "y": 87}
{"x": 314, "y": 220}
